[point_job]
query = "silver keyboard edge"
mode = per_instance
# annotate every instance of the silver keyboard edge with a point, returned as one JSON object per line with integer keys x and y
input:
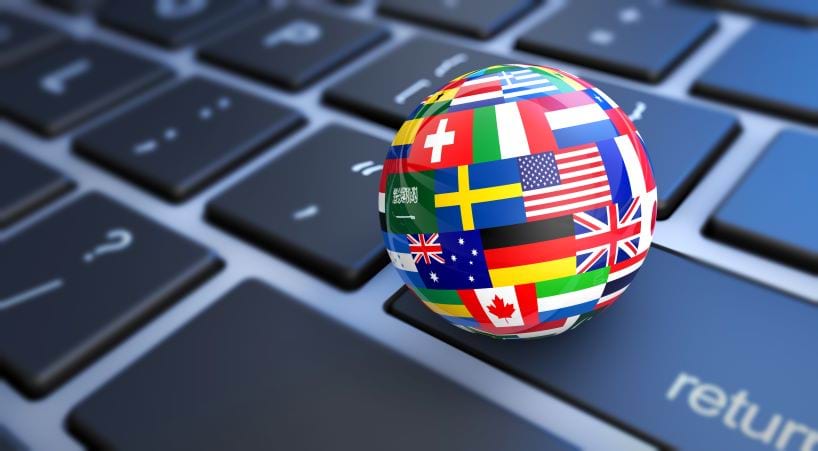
{"x": 40, "y": 424}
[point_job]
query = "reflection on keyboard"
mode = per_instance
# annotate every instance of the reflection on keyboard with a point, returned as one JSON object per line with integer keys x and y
{"x": 235, "y": 139}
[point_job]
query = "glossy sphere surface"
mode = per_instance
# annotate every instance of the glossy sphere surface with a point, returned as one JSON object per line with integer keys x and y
{"x": 517, "y": 201}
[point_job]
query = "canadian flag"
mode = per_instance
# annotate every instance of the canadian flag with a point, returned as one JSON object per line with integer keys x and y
{"x": 503, "y": 310}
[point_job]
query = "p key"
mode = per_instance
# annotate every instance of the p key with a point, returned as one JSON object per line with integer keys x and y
{"x": 79, "y": 280}
{"x": 294, "y": 47}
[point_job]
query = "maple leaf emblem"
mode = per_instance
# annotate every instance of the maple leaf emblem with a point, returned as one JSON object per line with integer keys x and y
{"x": 500, "y": 309}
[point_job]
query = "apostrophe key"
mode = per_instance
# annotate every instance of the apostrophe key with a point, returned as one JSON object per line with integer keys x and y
{"x": 182, "y": 139}
{"x": 80, "y": 280}
{"x": 387, "y": 89}
{"x": 343, "y": 164}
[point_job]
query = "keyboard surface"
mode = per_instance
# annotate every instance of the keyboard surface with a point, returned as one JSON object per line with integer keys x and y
{"x": 157, "y": 155}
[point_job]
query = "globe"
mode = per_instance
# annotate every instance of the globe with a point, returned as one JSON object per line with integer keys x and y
{"x": 517, "y": 201}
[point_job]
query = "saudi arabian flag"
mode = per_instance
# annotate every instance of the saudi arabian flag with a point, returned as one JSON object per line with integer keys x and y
{"x": 410, "y": 202}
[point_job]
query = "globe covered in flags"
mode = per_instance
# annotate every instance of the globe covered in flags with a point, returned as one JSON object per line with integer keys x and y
{"x": 517, "y": 201}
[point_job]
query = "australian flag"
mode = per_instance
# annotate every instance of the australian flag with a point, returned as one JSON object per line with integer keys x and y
{"x": 455, "y": 260}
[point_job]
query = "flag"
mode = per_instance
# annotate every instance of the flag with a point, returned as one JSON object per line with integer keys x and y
{"x": 529, "y": 252}
{"x": 571, "y": 295}
{"x": 524, "y": 84}
{"x": 478, "y": 92}
{"x": 562, "y": 182}
{"x": 580, "y": 125}
{"x": 448, "y": 304}
{"x": 625, "y": 168}
{"x": 503, "y": 309}
{"x": 397, "y": 247}
{"x": 477, "y": 196}
{"x": 608, "y": 235}
{"x": 409, "y": 202}
{"x": 442, "y": 141}
{"x": 448, "y": 261}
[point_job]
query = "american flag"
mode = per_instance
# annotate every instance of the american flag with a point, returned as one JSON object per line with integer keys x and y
{"x": 425, "y": 248}
{"x": 607, "y": 236}
{"x": 563, "y": 182}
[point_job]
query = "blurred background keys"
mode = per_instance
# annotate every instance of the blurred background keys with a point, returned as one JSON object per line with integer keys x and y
{"x": 172, "y": 22}
{"x": 25, "y": 184}
{"x": 21, "y": 37}
{"x": 774, "y": 210}
{"x": 75, "y": 6}
{"x": 389, "y": 88}
{"x": 315, "y": 205}
{"x": 803, "y": 12}
{"x": 259, "y": 371}
{"x": 672, "y": 356}
{"x": 180, "y": 140}
{"x": 478, "y": 18}
{"x": 293, "y": 47}
{"x": 63, "y": 87}
{"x": 639, "y": 39}
{"x": 80, "y": 280}
{"x": 779, "y": 82}
{"x": 678, "y": 164}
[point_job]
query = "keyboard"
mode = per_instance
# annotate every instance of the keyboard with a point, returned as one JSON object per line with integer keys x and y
{"x": 189, "y": 259}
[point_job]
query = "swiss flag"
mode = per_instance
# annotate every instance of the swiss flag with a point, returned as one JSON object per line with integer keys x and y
{"x": 442, "y": 141}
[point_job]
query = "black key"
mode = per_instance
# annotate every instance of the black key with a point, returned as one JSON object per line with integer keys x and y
{"x": 8, "y": 442}
{"x": 640, "y": 39}
{"x": 259, "y": 371}
{"x": 173, "y": 23}
{"x": 61, "y": 88}
{"x": 739, "y": 75}
{"x": 389, "y": 88}
{"x": 795, "y": 11}
{"x": 21, "y": 38}
{"x": 672, "y": 358}
{"x": 75, "y": 6}
{"x": 25, "y": 184}
{"x": 294, "y": 47}
{"x": 678, "y": 164}
{"x": 478, "y": 18}
{"x": 773, "y": 210}
{"x": 179, "y": 141}
{"x": 325, "y": 222}
{"x": 80, "y": 280}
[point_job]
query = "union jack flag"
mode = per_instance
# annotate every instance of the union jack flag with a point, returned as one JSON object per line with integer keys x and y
{"x": 425, "y": 248}
{"x": 608, "y": 235}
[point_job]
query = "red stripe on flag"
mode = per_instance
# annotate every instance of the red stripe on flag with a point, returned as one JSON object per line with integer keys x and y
{"x": 621, "y": 122}
{"x": 650, "y": 183}
{"x": 566, "y": 202}
{"x": 472, "y": 304}
{"x": 526, "y": 254}
{"x": 390, "y": 166}
{"x": 527, "y": 300}
{"x": 478, "y": 89}
{"x": 604, "y": 239}
{"x": 540, "y": 217}
{"x": 624, "y": 264}
{"x": 547, "y": 325}
{"x": 562, "y": 100}
{"x": 537, "y": 129}
{"x": 569, "y": 191}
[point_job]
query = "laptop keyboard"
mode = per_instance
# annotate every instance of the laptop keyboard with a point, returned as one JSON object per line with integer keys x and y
{"x": 214, "y": 174}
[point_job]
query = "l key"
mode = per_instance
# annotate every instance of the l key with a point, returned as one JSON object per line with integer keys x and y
{"x": 177, "y": 142}
{"x": 57, "y": 90}
{"x": 76, "y": 282}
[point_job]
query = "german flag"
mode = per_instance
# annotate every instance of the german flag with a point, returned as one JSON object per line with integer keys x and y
{"x": 530, "y": 252}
